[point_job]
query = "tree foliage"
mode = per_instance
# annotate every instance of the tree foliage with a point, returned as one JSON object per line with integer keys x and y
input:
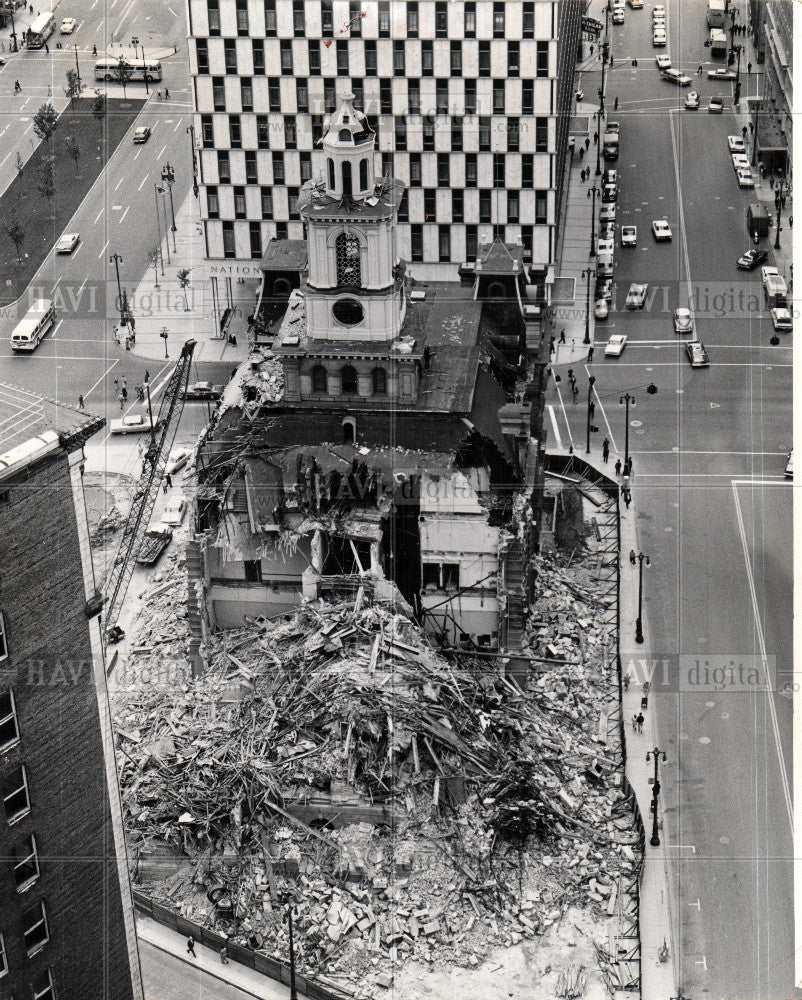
{"x": 73, "y": 149}
{"x": 73, "y": 88}
{"x": 16, "y": 234}
{"x": 45, "y": 122}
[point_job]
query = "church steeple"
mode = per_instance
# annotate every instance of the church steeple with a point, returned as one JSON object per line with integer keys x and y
{"x": 349, "y": 146}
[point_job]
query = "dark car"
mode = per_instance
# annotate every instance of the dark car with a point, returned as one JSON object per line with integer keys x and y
{"x": 752, "y": 259}
{"x": 204, "y": 390}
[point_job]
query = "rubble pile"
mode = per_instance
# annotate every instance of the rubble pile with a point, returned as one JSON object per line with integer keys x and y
{"x": 409, "y": 806}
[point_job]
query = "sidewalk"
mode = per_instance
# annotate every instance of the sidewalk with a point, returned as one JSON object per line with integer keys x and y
{"x": 207, "y": 961}
{"x": 160, "y": 304}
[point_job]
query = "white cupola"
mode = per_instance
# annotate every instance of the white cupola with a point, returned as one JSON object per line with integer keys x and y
{"x": 349, "y": 146}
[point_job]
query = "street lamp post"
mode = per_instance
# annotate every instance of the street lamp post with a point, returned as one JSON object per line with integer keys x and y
{"x": 164, "y": 335}
{"x": 598, "y": 143}
{"x": 168, "y": 176}
{"x": 145, "y": 70}
{"x": 191, "y": 134}
{"x": 116, "y": 259}
{"x": 593, "y": 191}
{"x": 77, "y": 68}
{"x": 778, "y": 205}
{"x": 627, "y": 400}
{"x": 293, "y": 990}
{"x": 15, "y": 47}
{"x": 156, "y": 190}
{"x": 591, "y": 407}
{"x": 588, "y": 273}
{"x": 639, "y": 623}
{"x": 736, "y": 100}
{"x": 160, "y": 191}
{"x": 657, "y": 754}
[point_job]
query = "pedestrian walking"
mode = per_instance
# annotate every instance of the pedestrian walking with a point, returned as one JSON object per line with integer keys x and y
{"x": 581, "y": 153}
{"x": 17, "y": 88}
{"x": 699, "y": 71}
{"x": 169, "y": 480}
{"x": 571, "y": 376}
{"x": 626, "y": 682}
{"x": 124, "y": 392}
{"x": 618, "y": 467}
{"x": 640, "y": 720}
{"x": 632, "y": 557}
{"x": 591, "y": 409}
{"x": 551, "y": 349}
{"x": 590, "y": 353}
{"x": 140, "y": 394}
{"x": 158, "y": 95}
{"x": 595, "y": 138}
{"x": 615, "y": 106}
{"x": 790, "y": 222}
{"x": 562, "y": 336}
{"x": 605, "y": 449}
{"x": 634, "y": 723}
{"x": 47, "y": 48}
{"x": 575, "y": 392}
{"x": 80, "y": 402}
{"x": 749, "y": 67}
{"x": 147, "y": 375}
{"x": 116, "y": 383}
{"x": 224, "y": 954}
{"x": 191, "y": 946}
{"x": 627, "y": 498}
{"x": 587, "y": 143}
{"x": 123, "y": 382}
{"x": 635, "y": 63}
{"x": 94, "y": 50}
{"x": 121, "y": 399}
{"x": 166, "y": 94}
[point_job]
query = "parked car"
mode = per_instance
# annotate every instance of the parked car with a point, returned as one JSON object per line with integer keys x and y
{"x": 601, "y": 310}
{"x": 174, "y": 509}
{"x": 142, "y": 134}
{"x": 735, "y": 144}
{"x": 663, "y": 62}
{"x": 134, "y": 423}
{"x": 615, "y": 345}
{"x": 740, "y": 161}
{"x": 67, "y": 26}
{"x": 752, "y": 259}
{"x": 746, "y": 179}
{"x": 715, "y": 106}
{"x": 607, "y": 213}
{"x": 610, "y": 176}
{"x": 204, "y": 390}
{"x": 661, "y": 230}
{"x": 605, "y": 246}
{"x": 692, "y": 100}
{"x": 176, "y": 460}
{"x": 629, "y": 236}
{"x": 636, "y": 295}
{"x": 789, "y": 465}
{"x": 613, "y": 127}
{"x": 659, "y": 39}
{"x": 697, "y": 355}
{"x": 782, "y": 319}
{"x": 609, "y": 193}
{"x": 604, "y": 289}
{"x": 618, "y": 16}
{"x": 683, "y": 321}
{"x": 67, "y": 243}
{"x": 769, "y": 273}
{"x": 635, "y": 4}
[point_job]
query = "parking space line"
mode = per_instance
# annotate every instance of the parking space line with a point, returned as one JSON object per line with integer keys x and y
{"x": 124, "y": 213}
{"x": 556, "y": 429}
{"x": 97, "y": 217}
{"x": 105, "y": 248}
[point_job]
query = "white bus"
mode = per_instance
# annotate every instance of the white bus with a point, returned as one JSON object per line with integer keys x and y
{"x": 140, "y": 69}
{"x": 33, "y": 326}
{"x": 40, "y": 30}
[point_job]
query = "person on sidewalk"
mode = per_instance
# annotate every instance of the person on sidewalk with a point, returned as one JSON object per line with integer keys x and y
{"x": 80, "y": 402}
{"x": 94, "y": 50}
{"x": 562, "y": 336}
{"x": 641, "y": 720}
{"x": 618, "y": 467}
{"x": 634, "y": 723}
{"x": 632, "y": 557}
{"x": 699, "y": 71}
{"x": 605, "y": 450}
{"x": 590, "y": 353}
{"x": 627, "y": 497}
{"x": 224, "y": 954}
{"x": 121, "y": 399}
{"x": 191, "y": 946}
{"x": 587, "y": 144}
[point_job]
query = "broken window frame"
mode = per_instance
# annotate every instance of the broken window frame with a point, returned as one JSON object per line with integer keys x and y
{"x": 444, "y": 575}
{"x": 27, "y": 857}
{"x": 9, "y": 723}
{"x": 38, "y": 929}
{"x": 21, "y": 812}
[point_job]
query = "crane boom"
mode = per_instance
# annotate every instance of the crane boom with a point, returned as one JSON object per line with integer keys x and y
{"x": 161, "y": 440}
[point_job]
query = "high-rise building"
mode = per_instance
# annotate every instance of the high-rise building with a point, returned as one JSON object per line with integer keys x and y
{"x": 469, "y": 99}
{"x": 66, "y": 916}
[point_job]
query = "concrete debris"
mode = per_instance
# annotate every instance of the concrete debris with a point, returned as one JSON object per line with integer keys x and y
{"x": 410, "y": 807}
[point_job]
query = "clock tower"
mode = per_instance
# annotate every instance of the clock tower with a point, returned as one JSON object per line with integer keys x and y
{"x": 354, "y": 289}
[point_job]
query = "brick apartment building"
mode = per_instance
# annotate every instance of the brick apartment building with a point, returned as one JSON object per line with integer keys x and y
{"x": 66, "y": 919}
{"x": 470, "y": 101}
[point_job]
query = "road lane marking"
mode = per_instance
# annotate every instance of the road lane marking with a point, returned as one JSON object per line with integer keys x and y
{"x": 55, "y": 329}
{"x": 177, "y": 127}
{"x": 143, "y": 182}
{"x": 97, "y": 217}
{"x": 119, "y": 182}
{"x": 565, "y": 416}
{"x": 752, "y": 484}
{"x": 681, "y": 210}
{"x": 105, "y": 248}
{"x": 702, "y": 961}
{"x": 161, "y": 152}
{"x": 124, "y": 214}
{"x": 557, "y": 437}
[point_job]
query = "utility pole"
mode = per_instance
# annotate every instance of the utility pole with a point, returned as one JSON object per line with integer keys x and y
{"x": 168, "y": 177}
{"x": 736, "y": 100}
{"x": 588, "y": 273}
{"x": 191, "y": 134}
{"x": 627, "y": 400}
{"x": 116, "y": 259}
{"x": 15, "y": 47}
{"x": 77, "y": 68}
{"x": 145, "y": 69}
{"x": 778, "y": 205}
{"x": 160, "y": 190}
{"x": 655, "y": 754}
{"x": 598, "y": 143}
{"x": 639, "y": 623}
{"x": 164, "y": 335}
{"x": 593, "y": 191}
{"x": 591, "y": 383}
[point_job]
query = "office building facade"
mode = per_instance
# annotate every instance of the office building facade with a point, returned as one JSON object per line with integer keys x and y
{"x": 469, "y": 100}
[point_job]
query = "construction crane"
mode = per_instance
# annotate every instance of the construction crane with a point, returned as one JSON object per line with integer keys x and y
{"x": 162, "y": 435}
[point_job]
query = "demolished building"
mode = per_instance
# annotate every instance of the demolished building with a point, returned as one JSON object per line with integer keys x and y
{"x": 379, "y": 444}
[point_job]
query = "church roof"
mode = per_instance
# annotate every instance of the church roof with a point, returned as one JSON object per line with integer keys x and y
{"x": 347, "y": 126}
{"x": 314, "y": 203}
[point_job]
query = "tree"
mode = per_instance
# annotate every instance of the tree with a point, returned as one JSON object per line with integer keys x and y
{"x": 154, "y": 258}
{"x": 45, "y": 122}
{"x": 99, "y": 108}
{"x": 123, "y": 73}
{"x": 46, "y": 185}
{"x": 74, "y": 150}
{"x": 20, "y": 164}
{"x": 17, "y": 236}
{"x": 73, "y": 88}
{"x": 183, "y": 280}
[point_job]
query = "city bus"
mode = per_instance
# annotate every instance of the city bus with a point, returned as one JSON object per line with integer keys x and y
{"x": 140, "y": 69}
{"x": 718, "y": 42}
{"x": 33, "y": 326}
{"x": 40, "y": 30}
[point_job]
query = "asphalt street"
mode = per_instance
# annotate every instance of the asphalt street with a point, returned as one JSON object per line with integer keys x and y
{"x": 713, "y": 514}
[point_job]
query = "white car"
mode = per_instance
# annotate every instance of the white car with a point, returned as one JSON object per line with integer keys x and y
{"x": 659, "y": 8}
{"x": 721, "y": 74}
{"x": 607, "y": 213}
{"x": 605, "y": 246}
{"x": 67, "y": 243}
{"x": 789, "y": 467}
{"x": 613, "y": 127}
{"x": 659, "y": 39}
{"x": 176, "y": 461}
{"x": 601, "y": 310}
{"x": 618, "y": 16}
{"x": 683, "y": 321}
{"x": 663, "y": 62}
{"x": 615, "y": 345}
{"x": 661, "y": 230}
{"x": 715, "y": 106}
{"x": 677, "y": 77}
{"x": 134, "y": 423}
{"x": 740, "y": 161}
{"x": 636, "y": 295}
{"x": 697, "y": 355}
{"x": 174, "y": 510}
{"x": 782, "y": 319}
{"x": 629, "y": 236}
{"x": 692, "y": 100}
{"x": 746, "y": 178}
{"x": 768, "y": 273}
{"x": 735, "y": 144}
{"x": 67, "y": 26}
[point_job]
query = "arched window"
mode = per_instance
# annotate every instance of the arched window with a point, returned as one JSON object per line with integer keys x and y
{"x": 363, "y": 174}
{"x": 349, "y": 430}
{"x": 332, "y": 182}
{"x": 349, "y": 383}
{"x": 344, "y": 135}
{"x": 347, "y": 188}
{"x": 320, "y": 379}
{"x": 379, "y": 376}
{"x": 349, "y": 265}
{"x": 282, "y": 288}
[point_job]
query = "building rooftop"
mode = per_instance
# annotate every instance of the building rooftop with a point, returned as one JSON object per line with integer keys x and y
{"x": 500, "y": 258}
{"x": 285, "y": 255}
{"x": 316, "y": 204}
{"x": 25, "y": 415}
